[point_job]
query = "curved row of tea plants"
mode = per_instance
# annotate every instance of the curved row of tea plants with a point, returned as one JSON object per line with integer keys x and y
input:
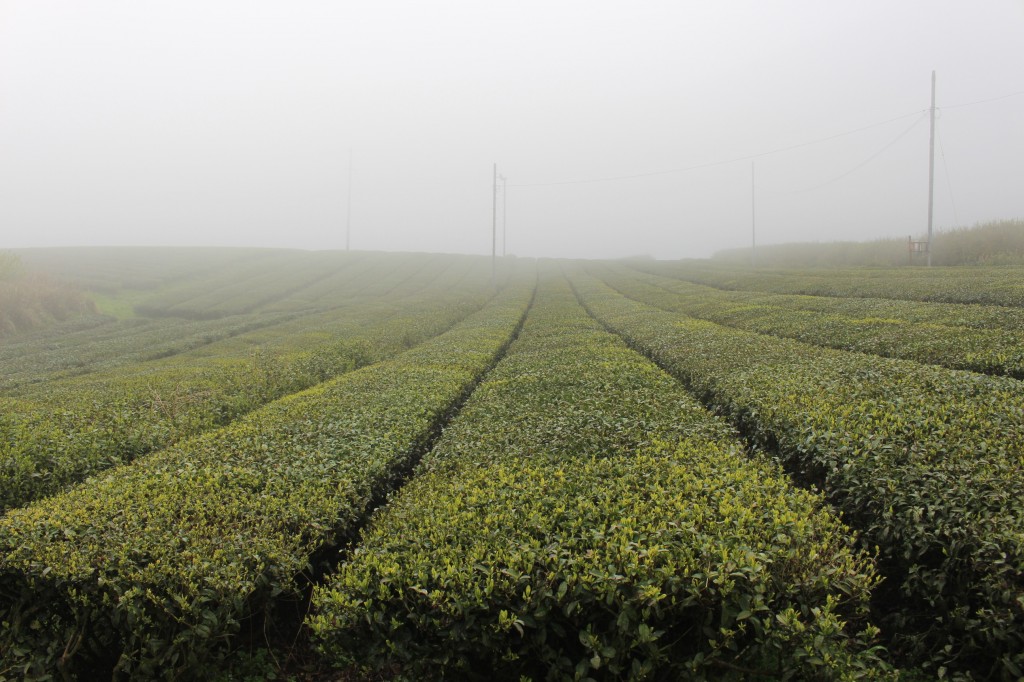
{"x": 144, "y": 268}
{"x": 67, "y": 430}
{"x": 152, "y": 568}
{"x": 247, "y": 286}
{"x": 362, "y": 274}
{"x": 986, "y": 339}
{"x": 583, "y": 517}
{"x": 41, "y": 358}
{"x": 924, "y": 460}
{"x": 102, "y": 343}
{"x": 290, "y": 281}
{"x": 1003, "y": 286}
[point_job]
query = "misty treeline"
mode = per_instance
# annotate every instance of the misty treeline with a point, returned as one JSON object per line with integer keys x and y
{"x": 29, "y": 300}
{"x": 994, "y": 243}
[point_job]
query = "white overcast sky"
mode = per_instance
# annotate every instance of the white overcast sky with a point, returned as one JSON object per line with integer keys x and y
{"x": 233, "y": 122}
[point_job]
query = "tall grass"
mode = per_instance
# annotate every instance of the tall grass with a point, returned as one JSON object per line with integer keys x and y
{"x": 31, "y": 300}
{"x": 993, "y": 243}
{"x": 10, "y": 266}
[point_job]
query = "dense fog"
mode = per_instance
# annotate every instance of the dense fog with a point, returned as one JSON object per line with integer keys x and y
{"x": 665, "y": 128}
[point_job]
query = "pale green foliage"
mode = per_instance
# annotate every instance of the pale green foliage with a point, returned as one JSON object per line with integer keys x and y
{"x": 987, "y": 339}
{"x": 10, "y": 266}
{"x": 1002, "y": 286}
{"x": 30, "y": 300}
{"x": 998, "y": 242}
{"x": 156, "y": 564}
{"x": 62, "y": 431}
{"x": 925, "y": 460}
{"x": 583, "y": 517}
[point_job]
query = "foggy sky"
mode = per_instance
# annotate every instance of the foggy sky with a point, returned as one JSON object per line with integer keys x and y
{"x": 233, "y": 122}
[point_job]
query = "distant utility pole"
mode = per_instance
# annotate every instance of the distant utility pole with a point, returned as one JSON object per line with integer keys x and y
{"x": 753, "y": 220}
{"x": 348, "y": 216}
{"x": 931, "y": 173}
{"x": 504, "y": 214}
{"x": 494, "y": 230}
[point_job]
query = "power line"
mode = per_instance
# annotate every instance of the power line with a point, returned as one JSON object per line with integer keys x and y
{"x": 866, "y": 161}
{"x": 712, "y": 164}
{"x": 984, "y": 101}
{"x": 751, "y": 157}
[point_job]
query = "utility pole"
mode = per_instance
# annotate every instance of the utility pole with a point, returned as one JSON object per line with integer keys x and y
{"x": 494, "y": 231}
{"x": 753, "y": 220}
{"x": 348, "y": 216}
{"x": 931, "y": 173}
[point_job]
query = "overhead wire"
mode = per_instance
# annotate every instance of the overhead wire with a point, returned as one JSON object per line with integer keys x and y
{"x": 750, "y": 157}
{"x": 866, "y": 161}
{"x": 942, "y": 151}
{"x": 723, "y": 162}
{"x": 984, "y": 101}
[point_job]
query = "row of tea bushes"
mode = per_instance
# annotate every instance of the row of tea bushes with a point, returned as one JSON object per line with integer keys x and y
{"x": 1002, "y": 286}
{"x": 140, "y": 268}
{"x": 65, "y": 431}
{"x": 291, "y": 281}
{"x": 584, "y": 518}
{"x": 365, "y": 275}
{"x": 102, "y": 343}
{"x": 985, "y": 339}
{"x": 151, "y": 569}
{"x": 249, "y": 284}
{"x": 926, "y": 461}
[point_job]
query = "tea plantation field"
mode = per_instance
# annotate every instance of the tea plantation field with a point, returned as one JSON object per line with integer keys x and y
{"x": 257, "y": 464}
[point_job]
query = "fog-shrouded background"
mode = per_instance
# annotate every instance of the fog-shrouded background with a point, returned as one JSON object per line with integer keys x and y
{"x": 663, "y": 127}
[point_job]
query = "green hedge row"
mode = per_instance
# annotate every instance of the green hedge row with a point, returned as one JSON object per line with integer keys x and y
{"x": 1002, "y": 286}
{"x": 153, "y": 567}
{"x": 141, "y": 268}
{"x": 249, "y": 284}
{"x": 985, "y": 339}
{"x": 925, "y": 460}
{"x": 584, "y": 518}
{"x": 66, "y": 431}
{"x": 101, "y": 343}
{"x": 291, "y": 281}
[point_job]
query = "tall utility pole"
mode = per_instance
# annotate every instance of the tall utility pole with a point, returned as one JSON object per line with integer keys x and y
{"x": 931, "y": 173}
{"x": 504, "y": 214}
{"x": 494, "y": 231}
{"x": 348, "y": 216}
{"x": 753, "y": 220}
